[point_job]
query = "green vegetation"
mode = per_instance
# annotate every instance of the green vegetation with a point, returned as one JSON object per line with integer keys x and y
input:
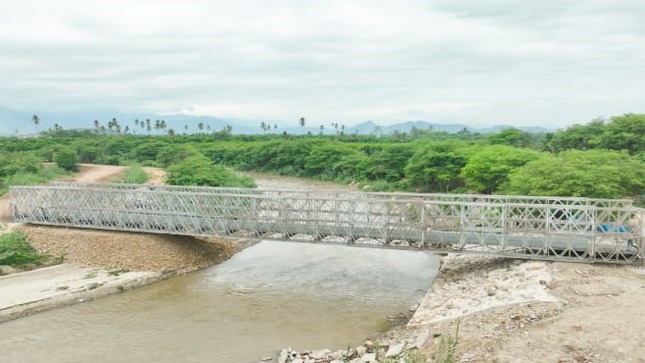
{"x": 597, "y": 173}
{"x": 37, "y": 175}
{"x": 604, "y": 158}
{"x": 135, "y": 175}
{"x": 488, "y": 169}
{"x": 199, "y": 170}
{"x": 446, "y": 353}
{"x": 15, "y": 250}
{"x": 116, "y": 271}
{"x": 66, "y": 159}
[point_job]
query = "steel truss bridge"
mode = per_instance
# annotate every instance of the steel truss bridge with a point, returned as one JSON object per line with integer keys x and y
{"x": 547, "y": 228}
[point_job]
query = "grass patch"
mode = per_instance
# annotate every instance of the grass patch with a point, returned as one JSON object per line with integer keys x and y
{"x": 135, "y": 175}
{"x": 448, "y": 347}
{"x": 15, "y": 250}
{"x": 23, "y": 178}
{"x": 91, "y": 275}
{"x": 114, "y": 271}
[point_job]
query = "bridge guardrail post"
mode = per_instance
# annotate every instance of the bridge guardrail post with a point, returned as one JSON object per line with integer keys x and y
{"x": 462, "y": 223}
{"x": 386, "y": 242}
{"x": 504, "y": 227}
{"x": 423, "y": 243}
{"x": 594, "y": 236}
{"x": 642, "y": 237}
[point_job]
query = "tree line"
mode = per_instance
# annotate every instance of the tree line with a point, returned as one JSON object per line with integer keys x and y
{"x": 603, "y": 158}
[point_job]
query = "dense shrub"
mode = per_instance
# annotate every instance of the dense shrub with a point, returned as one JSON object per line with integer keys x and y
{"x": 593, "y": 173}
{"x": 488, "y": 169}
{"x": 15, "y": 250}
{"x": 198, "y": 170}
{"x": 66, "y": 159}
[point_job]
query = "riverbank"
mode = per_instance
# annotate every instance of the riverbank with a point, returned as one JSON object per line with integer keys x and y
{"x": 30, "y": 292}
{"x": 504, "y": 310}
{"x": 100, "y": 263}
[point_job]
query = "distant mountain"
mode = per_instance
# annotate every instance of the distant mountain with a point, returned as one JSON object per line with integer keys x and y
{"x": 370, "y": 127}
{"x": 19, "y": 122}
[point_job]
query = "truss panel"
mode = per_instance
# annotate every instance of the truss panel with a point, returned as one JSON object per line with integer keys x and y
{"x": 572, "y": 229}
{"x": 465, "y": 198}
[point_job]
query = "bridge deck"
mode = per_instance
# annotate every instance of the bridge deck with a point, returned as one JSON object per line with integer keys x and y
{"x": 572, "y": 229}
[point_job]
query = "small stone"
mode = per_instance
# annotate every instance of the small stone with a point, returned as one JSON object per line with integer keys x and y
{"x": 421, "y": 339}
{"x": 491, "y": 292}
{"x": 395, "y": 350}
{"x": 369, "y": 357}
{"x": 320, "y": 354}
{"x": 282, "y": 357}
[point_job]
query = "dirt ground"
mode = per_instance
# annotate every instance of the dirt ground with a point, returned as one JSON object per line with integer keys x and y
{"x": 584, "y": 313}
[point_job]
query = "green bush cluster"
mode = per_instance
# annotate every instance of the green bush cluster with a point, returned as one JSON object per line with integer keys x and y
{"x": 135, "y": 174}
{"x": 15, "y": 250}
{"x": 199, "y": 170}
{"x": 66, "y": 158}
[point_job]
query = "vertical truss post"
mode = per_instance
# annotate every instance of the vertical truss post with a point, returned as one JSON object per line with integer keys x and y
{"x": 462, "y": 223}
{"x": 641, "y": 234}
{"x": 547, "y": 228}
{"x": 503, "y": 224}
{"x": 423, "y": 243}
{"x": 594, "y": 233}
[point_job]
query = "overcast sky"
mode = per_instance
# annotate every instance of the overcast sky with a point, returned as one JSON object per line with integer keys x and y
{"x": 548, "y": 62}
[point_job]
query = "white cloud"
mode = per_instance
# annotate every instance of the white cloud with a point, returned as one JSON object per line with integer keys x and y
{"x": 501, "y": 61}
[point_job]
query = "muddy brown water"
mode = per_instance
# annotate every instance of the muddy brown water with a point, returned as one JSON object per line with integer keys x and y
{"x": 269, "y": 296}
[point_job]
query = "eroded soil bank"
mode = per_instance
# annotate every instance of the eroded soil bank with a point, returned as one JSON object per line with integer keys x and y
{"x": 528, "y": 311}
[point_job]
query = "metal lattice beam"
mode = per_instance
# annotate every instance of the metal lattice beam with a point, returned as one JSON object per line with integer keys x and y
{"x": 573, "y": 229}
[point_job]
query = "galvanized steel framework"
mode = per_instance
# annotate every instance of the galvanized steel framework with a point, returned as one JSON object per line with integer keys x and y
{"x": 574, "y": 229}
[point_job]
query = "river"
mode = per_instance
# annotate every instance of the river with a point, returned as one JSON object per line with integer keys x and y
{"x": 268, "y": 296}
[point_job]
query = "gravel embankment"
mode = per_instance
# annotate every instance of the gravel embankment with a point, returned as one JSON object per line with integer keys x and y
{"x": 131, "y": 251}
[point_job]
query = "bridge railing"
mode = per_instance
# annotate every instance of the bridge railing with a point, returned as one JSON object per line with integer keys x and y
{"x": 549, "y": 231}
{"x": 470, "y": 198}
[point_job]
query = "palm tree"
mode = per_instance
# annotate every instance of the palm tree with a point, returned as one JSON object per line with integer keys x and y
{"x": 301, "y": 122}
{"x": 97, "y": 125}
{"x": 36, "y": 120}
{"x": 148, "y": 127}
{"x": 200, "y": 126}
